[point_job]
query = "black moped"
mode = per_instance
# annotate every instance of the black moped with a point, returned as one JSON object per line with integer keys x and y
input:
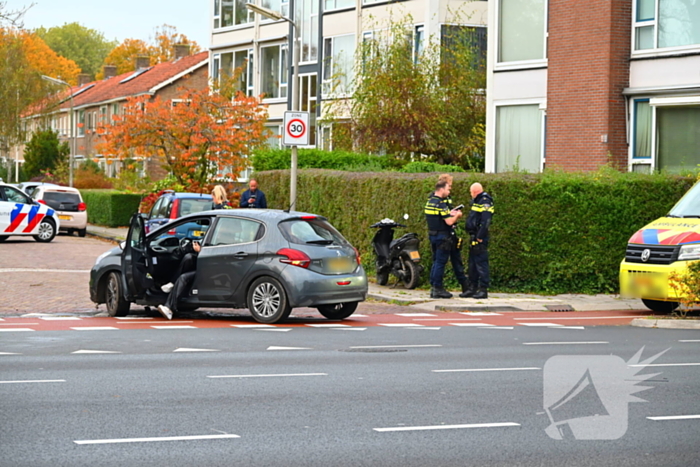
{"x": 399, "y": 257}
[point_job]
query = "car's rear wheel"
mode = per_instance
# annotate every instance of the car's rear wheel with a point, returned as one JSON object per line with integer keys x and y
{"x": 267, "y": 301}
{"x": 117, "y": 305}
{"x": 659, "y": 306}
{"x": 3, "y": 238}
{"x": 338, "y": 311}
{"x": 47, "y": 231}
{"x": 411, "y": 276}
{"x": 82, "y": 232}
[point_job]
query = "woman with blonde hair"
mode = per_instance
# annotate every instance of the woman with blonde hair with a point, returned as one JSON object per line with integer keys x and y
{"x": 219, "y": 196}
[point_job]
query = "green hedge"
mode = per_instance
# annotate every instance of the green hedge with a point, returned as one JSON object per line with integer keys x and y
{"x": 110, "y": 208}
{"x": 277, "y": 159}
{"x": 552, "y": 232}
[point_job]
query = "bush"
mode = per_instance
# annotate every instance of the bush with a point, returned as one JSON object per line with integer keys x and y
{"x": 427, "y": 167}
{"x": 278, "y": 159}
{"x": 110, "y": 208}
{"x": 552, "y": 232}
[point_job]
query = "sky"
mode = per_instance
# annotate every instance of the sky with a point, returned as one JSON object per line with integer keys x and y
{"x": 121, "y": 19}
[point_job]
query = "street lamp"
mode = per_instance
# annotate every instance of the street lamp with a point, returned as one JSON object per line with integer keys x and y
{"x": 267, "y": 13}
{"x": 72, "y": 132}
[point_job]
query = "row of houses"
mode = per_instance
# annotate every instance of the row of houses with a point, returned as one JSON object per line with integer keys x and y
{"x": 573, "y": 85}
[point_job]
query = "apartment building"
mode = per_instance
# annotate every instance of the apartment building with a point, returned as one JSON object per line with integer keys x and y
{"x": 576, "y": 85}
{"x": 329, "y": 33}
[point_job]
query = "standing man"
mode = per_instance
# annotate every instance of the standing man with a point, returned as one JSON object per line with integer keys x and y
{"x": 440, "y": 220}
{"x": 252, "y": 197}
{"x": 478, "y": 223}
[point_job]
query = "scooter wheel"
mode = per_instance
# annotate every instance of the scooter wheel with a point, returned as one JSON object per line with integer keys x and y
{"x": 411, "y": 275}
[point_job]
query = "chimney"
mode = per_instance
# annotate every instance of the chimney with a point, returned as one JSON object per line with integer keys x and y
{"x": 182, "y": 50}
{"x": 84, "y": 78}
{"x": 142, "y": 61}
{"x": 109, "y": 71}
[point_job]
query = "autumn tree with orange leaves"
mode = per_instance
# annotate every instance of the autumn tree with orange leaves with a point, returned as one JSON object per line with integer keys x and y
{"x": 202, "y": 134}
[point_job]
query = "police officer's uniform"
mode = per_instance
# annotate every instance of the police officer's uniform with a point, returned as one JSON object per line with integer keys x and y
{"x": 478, "y": 223}
{"x": 442, "y": 244}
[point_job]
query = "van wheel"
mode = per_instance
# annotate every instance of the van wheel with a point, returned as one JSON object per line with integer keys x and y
{"x": 267, "y": 301}
{"x": 47, "y": 231}
{"x": 114, "y": 299}
{"x": 338, "y": 311}
{"x": 660, "y": 306}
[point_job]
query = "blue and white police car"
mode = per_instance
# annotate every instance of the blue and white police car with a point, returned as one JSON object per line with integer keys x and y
{"x": 21, "y": 215}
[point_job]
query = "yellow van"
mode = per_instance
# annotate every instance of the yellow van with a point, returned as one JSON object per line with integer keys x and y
{"x": 665, "y": 246}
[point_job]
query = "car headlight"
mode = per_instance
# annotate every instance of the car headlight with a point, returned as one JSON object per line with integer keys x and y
{"x": 101, "y": 257}
{"x": 691, "y": 251}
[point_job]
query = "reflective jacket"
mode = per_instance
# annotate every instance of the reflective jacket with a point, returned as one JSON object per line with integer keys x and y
{"x": 480, "y": 215}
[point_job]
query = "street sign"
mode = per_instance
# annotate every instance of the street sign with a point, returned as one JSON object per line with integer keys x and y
{"x": 296, "y": 129}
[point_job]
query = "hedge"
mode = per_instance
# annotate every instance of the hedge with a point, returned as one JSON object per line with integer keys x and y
{"x": 109, "y": 207}
{"x": 277, "y": 159}
{"x": 552, "y": 232}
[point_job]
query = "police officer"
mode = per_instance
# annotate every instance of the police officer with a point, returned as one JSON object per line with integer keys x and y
{"x": 440, "y": 220}
{"x": 478, "y": 223}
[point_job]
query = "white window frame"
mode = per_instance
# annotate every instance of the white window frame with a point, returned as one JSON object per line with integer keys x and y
{"x": 217, "y": 17}
{"x": 655, "y": 50}
{"x": 329, "y": 61}
{"x": 283, "y": 73}
{"x": 543, "y": 130}
{"x": 520, "y": 64}
{"x": 335, "y": 6}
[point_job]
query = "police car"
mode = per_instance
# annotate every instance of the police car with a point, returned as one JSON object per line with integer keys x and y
{"x": 21, "y": 215}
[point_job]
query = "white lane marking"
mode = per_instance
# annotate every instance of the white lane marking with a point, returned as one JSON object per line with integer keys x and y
{"x": 497, "y": 327}
{"x": 132, "y": 317}
{"x": 357, "y": 315}
{"x": 480, "y": 313}
{"x": 446, "y": 427}
{"x": 426, "y": 328}
{"x": 470, "y": 324}
{"x": 185, "y": 349}
{"x": 567, "y": 327}
{"x": 582, "y": 317}
{"x": 96, "y": 328}
{"x": 675, "y": 417}
{"x": 275, "y": 347}
{"x": 78, "y": 352}
{"x": 349, "y": 329}
{"x": 413, "y": 314}
{"x": 35, "y": 381}
{"x": 328, "y": 325}
{"x": 9, "y": 353}
{"x": 565, "y": 343}
{"x": 42, "y": 270}
{"x": 159, "y": 322}
{"x": 393, "y": 346}
{"x": 269, "y": 376}
{"x": 15, "y": 329}
{"x": 448, "y": 319}
{"x": 689, "y": 340}
{"x": 151, "y": 440}
{"x": 400, "y": 325}
{"x": 60, "y": 318}
{"x": 174, "y": 327}
{"x": 19, "y": 324}
{"x": 247, "y": 326}
{"x": 274, "y": 329}
{"x": 641, "y": 365}
{"x": 540, "y": 324}
{"x": 488, "y": 369}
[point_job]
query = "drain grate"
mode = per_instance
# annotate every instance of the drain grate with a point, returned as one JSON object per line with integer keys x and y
{"x": 559, "y": 308}
{"x": 373, "y": 350}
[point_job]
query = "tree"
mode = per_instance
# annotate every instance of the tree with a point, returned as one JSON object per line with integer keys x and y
{"x": 405, "y": 104}
{"x": 12, "y": 17}
{"x": 203, "y": 134}
{"x": 161, "y": 50}
{"x": 44, "y": 153}
{"x": 86, "y": 47}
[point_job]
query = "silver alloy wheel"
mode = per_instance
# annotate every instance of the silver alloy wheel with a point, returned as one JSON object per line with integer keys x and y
{"x": 45, "y": 231}
{"x": 266, "y": 299}
{"x": 112, "y": 292}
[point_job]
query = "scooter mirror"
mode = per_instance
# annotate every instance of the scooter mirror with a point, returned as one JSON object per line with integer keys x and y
{"x": 405, "y": 216}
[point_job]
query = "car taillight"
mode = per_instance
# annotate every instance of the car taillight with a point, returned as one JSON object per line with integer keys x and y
{"x": 308, "y": 218}
{"x": 82, "y": 206}
{"x": 357, "y": 256}
{"x": 174, "y": 209}
{"x": 294, "y": 257}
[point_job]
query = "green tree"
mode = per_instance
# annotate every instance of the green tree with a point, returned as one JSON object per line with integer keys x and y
{"x": 86, "y": 47}
{"x": 44, "y": 153}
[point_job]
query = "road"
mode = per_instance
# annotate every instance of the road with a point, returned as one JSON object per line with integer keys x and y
{"x": 340, "y": 396}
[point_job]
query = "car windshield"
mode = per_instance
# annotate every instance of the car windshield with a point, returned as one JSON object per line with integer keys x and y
{"x": 190, "y": 205}
{"x": 311, "y": 232}
{"x": 689, "y": 204}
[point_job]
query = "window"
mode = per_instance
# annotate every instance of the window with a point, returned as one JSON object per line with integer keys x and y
{"x": 15, "y": 196}
{"x": 418, "y": 42}
{"x": 518, "y": 138}
{"x": 474, "y": 37}
{"x": 275, "y": 139}
{"x": 231, "y": 13}
{"x": 338, "y": 61}
{"x": 239, "y": 60}
{"x": 677, "y": 137}
{"x": 273, "y": 71}
{"x": 521, "y": 30}
{"x": 337, "y": 4}
{"x": 642, "y": 129}
{"x": 281, "y": 6}
{"x": 81, "y": 123}
{"x": 234, "y": 231}
{"x": 666, "y": 23}
{"x": 307, "y": 19}
{"x": 104, "y": 115}
{"x": 307, "y": 103}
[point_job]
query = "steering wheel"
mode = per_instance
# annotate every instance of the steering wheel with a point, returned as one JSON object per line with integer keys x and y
{"x": 185, "y": 244}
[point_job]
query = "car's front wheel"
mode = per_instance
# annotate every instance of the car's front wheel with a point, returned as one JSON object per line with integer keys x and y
{"x": 338, "y": 311}
{"x": 267, "y": 301}
{"x": 47, "y": 231}
{"x": 660, "y": 306}
{"x": 117, "y": 305}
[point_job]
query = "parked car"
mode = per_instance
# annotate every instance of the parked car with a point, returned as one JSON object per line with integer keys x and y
{"x": 68, "y": 204}
{"x": 21, "y": 215}
{"x": 268, "y": 261}
{"x": 28, "y": 187}
{"x": 171, "y": 205}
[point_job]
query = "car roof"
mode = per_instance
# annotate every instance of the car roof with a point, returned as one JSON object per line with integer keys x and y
{"x": 259, "y": 214}
{"x": 58, "y": 188}
{"x": 188, "y": 195}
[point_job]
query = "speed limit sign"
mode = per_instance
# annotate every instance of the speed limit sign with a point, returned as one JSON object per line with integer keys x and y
{"x": 296, "y": 128}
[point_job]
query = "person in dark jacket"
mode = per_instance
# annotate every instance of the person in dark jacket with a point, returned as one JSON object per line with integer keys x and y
{"x": 253, "y": 197}
{"x": 478, "y": 223}
{"x": 185, "y": 274}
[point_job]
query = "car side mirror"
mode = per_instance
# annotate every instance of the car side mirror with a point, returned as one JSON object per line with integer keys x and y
{"x": 122, "y": 245}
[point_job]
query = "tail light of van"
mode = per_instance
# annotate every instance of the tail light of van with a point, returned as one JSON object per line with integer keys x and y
{"x": 82, "y": 207}
{"x": 294, "y": 257}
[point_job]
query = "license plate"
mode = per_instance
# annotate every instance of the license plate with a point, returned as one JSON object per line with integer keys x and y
{"x": 414, "y": 254}
{"x": 338, "y": 264}
{"x": 65, "y": 218}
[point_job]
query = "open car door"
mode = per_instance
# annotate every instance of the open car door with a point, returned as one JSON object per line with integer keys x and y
{"x": 135, "y": 261}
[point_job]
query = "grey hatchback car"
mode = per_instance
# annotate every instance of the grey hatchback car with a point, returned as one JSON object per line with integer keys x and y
{"x": 268, "y": 261}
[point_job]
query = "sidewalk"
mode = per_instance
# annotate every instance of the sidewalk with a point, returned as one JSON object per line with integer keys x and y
{"x": 115, "y": 234}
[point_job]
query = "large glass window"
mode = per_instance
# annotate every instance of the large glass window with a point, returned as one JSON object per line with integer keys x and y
{"x": 273, "y": 71}
{"x": 307, "y": 102}
{"x": 231, "y": 12}
{"x": 338, "y": 64}
{"x": 677, "y": 137}
{"x": 518, "y": 138}
{"x": 666, "y": 23}
{"x": 642, "y": 128}
{"x": 307, "y": 18}
{"x": 521, "y": 30}
{"x": 337, "y": 4}
{"x": 281, "y": 6}
{"x": 241, "y": 60}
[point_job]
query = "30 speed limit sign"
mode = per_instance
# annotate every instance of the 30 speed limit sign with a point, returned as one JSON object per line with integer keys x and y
{"x": 296, "y": 128}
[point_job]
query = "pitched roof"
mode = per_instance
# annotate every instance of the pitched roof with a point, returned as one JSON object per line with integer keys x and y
{"x": 134, "y": 83}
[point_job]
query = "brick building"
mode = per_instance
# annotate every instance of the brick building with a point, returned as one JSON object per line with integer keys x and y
{"x": 622, "y": 87}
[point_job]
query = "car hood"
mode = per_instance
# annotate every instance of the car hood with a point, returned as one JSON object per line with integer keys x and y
{"x": 668, "y": 231}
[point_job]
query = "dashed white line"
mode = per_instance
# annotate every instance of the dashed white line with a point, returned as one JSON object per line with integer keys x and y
{"x": 473, "y": 325}
{"x": 568, "y": 327}
{"x": 131, "y": 317}
{"x": 281, "y": 375}
{"x": 95, "y": 328}
{"x": 675, "y": 417}
{"x": 15, "y": 329}
{"x": 399, "y": 325}
{"x": 446, "y": 427}
{"x": 159, "y": 322}
{"x": 510, "y": 328}
{"x": 34, "y": 381}
{"x": 426, "y": 328}
{"x": 19, "y": 324}
{"x": 349, "y": 329}
{"x": 486, "y": 369}
{"x": 152, "y": 440}
{"x": 174, "y": 327}
{"x": 394, "y": 346}
{"x": 540, "y": 324}
{"x": 480, "y": 313}
{"x": 251, "y": 326}
{"x": 9, "y": 353}
{"x": 578, "y": 317}
{"x": 274, "y": 329}
{"x": 642, "y": 365}
{"x": 60, "y": 318}
{"x": 689, "y": 340}
{"x": 412, "y": 315}
{"x": 327, "y": 325}
{"x": 566, "y": 343}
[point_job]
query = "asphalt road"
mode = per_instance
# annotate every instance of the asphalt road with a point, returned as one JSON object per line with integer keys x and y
{"x": 345, "y": 397}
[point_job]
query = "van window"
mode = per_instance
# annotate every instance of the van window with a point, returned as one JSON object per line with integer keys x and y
{"x": 689, "y": 205}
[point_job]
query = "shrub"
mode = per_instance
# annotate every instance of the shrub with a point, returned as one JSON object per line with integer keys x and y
{"x": 277, "y": 159}
{"x": 110, "y": 208}
{"x": 426, "y": 167}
